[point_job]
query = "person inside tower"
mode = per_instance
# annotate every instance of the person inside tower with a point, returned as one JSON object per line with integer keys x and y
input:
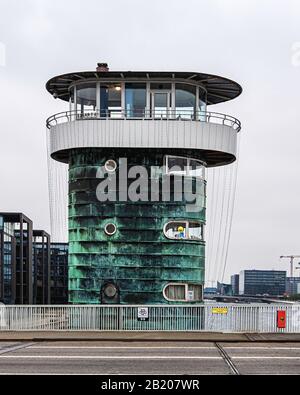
{"x": 181, "y": 232}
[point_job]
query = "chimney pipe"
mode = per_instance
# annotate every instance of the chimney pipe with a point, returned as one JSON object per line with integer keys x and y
{"x": 102, "y": 67}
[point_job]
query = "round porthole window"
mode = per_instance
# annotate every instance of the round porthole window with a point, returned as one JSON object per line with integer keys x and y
{"x": 110, "y": 229}
{"x": 110, "y": 290}
{"x": 110, "y": 166}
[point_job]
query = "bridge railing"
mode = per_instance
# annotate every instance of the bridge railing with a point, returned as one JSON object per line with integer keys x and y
{"x": 256, "y": 318}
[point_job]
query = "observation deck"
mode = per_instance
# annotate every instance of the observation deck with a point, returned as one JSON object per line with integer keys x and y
{"x": 146, "y": 110}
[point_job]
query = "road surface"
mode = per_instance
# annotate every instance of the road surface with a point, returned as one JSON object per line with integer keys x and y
{"x": 144, "y": 357}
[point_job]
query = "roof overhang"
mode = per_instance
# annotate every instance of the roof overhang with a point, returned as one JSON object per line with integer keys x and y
{"x": 219, "y": 89}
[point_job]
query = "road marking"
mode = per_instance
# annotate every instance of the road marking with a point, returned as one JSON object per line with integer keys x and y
{"x": 121, "y": 347}
{"x": 104, "y": 357}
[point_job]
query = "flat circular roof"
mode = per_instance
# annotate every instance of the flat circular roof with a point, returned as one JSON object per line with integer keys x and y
{"x": 219, "y": 89}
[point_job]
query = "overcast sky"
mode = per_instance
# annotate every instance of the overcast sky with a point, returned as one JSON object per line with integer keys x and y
{"x": 252, "y": 42}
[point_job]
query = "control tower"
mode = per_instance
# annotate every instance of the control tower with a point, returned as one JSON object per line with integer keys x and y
{"x": 137, "y": 145}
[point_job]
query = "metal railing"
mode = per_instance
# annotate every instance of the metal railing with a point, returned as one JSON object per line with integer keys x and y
{"x": 256, "y": 318}
{"x": 177, "y": 115}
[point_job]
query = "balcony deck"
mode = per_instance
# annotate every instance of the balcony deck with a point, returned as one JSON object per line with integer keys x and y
{"x": 209, "y": 136}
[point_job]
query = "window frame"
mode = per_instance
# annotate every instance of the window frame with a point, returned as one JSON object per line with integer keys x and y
{"x": 125, "y": 89}
{"x": 186, "y": 285}
{"x": 187, "y": 223}
{"x": 108, "y": 233}
{"x": 122, "y": 81}
{"x": 106, "y": 166}
{"x": 185, "y": 173}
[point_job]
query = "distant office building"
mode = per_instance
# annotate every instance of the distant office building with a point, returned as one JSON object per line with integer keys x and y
{"x": 235, "y": 279}
{"x": 262, "y": 282}
{"x": 59, "y": 273}
{"x": 293, "y": 285}
{"x": 41, "y": 267}
{"x": 24, "y": 261}
{"x": 16, "y": 266}
{"x": 224, "y": 289}
{"x": 210, "y": 291}
{"x": 7, "y": 262}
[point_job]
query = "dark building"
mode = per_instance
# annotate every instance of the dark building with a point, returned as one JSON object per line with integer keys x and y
{"x": 224, "y": 289}
{"x": 59, "y": 273}
{"x": 24, "y": 261}
{"x": 16, "y": 266}
{"x": 7, "y": 262}
{"x": 41, "y": 267}
{"x": 293, "y": 285}
{"x": 262, "y": 282}
{"x": 235, "y": 284}
{"x": 210, "y": 291}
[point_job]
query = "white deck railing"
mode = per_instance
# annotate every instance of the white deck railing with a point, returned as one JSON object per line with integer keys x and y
{"x": 210, "y": 318}
{"x": 172, "y": 115}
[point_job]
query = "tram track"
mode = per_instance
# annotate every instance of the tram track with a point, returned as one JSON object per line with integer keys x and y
{"x": 15, "y": 347}
{"x": 229, "y": 362}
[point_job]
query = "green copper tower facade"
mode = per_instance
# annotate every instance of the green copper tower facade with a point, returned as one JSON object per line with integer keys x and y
{"x": 138, "y": 259}
{"x": 138, "y": 145}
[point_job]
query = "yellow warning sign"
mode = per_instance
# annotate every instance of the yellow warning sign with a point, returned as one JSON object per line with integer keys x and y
{"x": 220, "y": 310}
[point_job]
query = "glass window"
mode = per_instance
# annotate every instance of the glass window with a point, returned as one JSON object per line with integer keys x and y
{"x": 185, "y": 101}
{"x": 111, "y": 101}
{"x": 184, "y": 230}
{"x": 175, "y": 292}
{"x": 110, "y": 165}
{"x": 110, "y": 229}
{"x": 178, "y": 165}
{"x": 183, "y": 292}
{"x": 196, "y": 168}
{"x": 161, "y": 100}
{"x": 195, "y": 231}
{"x": 176, "y": 230}
{"x": 86, "y": 97}
{"x": 161, "y": 104}
{"x": 194, "y": 292}
{"x": 135, "y": 100}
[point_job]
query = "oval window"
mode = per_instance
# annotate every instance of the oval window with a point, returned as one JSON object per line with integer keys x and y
{"x": 181, "y": 292}
{"x": 184, "y": 230}
{"x": 110, "y": 166}
{"x": 110, "y": 229}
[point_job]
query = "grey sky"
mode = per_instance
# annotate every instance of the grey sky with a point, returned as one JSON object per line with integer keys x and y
{"x": 249, "y": 41}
